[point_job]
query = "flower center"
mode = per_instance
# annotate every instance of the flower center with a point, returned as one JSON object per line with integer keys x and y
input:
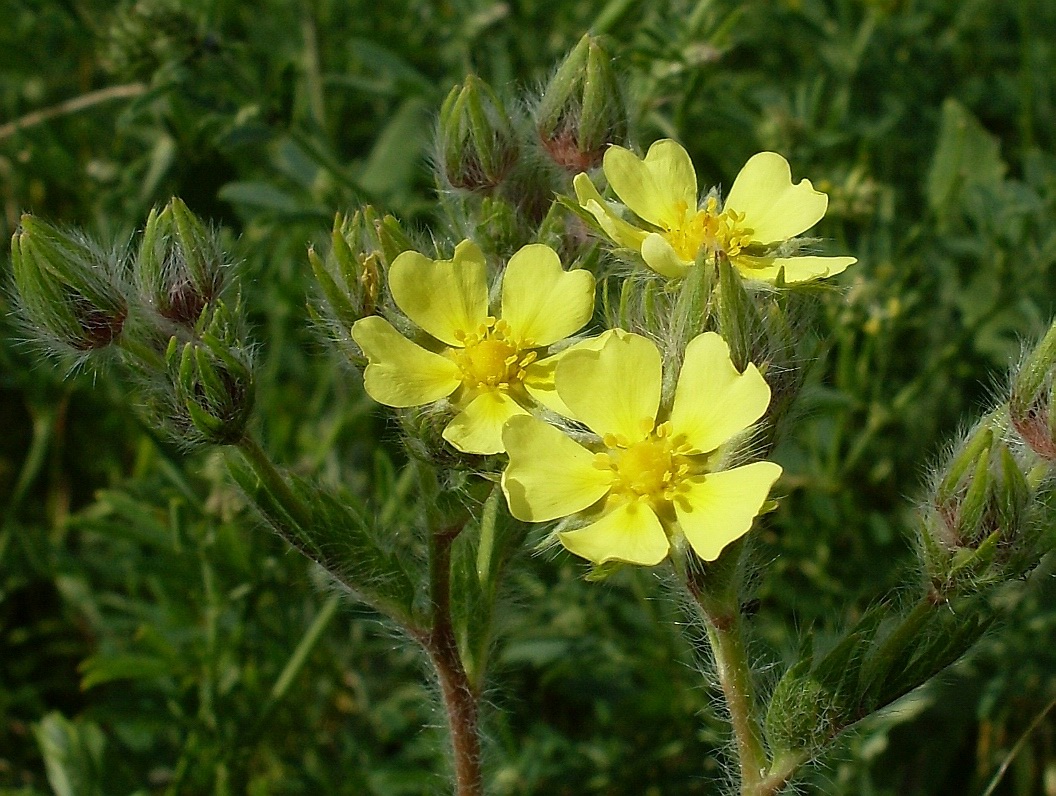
{"x": 653, "y": 469}
{"x": 710, "y": 229}
{"x": 490, "y": 360}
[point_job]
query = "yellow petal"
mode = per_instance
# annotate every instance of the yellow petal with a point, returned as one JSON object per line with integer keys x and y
{"x": 720, "y": 507}
{"x": 622, "y": 233}
{"x": 712, "y": 400}
{"x": 660, "y": 189}
{"x": 630, "y": 533}
{"x": 539, "y": 376}
{"x": 797, "y": 269}
{"x": 541, "y": 302}
{"x": 659, "y": 256}
{"x": 478, "y": 427}
{"x": 774, "y": 209}
{"x": 549, "y": 475}
{"x": 446, "y": 298}
{"x": 615, "y": 390}
{"x": 400, "y": 372}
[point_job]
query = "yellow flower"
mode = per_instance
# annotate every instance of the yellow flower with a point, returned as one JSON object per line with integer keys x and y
{"x": 488, "y": 366}
{"x": 649, "y": 475}
{"x": 762, "y": 211}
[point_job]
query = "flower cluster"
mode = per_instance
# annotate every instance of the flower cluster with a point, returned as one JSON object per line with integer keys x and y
{"x": 487, "y": 366}
{"x": 752, "y": 228}
{"x": 591, "y": 439}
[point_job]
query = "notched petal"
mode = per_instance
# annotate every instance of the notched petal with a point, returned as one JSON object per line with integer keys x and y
{"x": 402, "y": 373}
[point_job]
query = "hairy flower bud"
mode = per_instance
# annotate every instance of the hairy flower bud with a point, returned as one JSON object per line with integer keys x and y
{"x": 69, "y": 288}
{"x": 1031, "y": 405}
{"x": 351, "y": 274}
{"x": 582, "y": 109}
{"x": 477, "y": 142}
{"x": 212, "y": 380}
{"x": 181, "y": 266}
{"x": 980, "y": 516}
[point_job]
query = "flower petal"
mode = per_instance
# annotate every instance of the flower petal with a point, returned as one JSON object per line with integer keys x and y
{"x": 622, "y": 233}
{"x": 539, "y": 376}
{"x": 797, "y": 269}
{"x": 660, "y": 189}
{"x": 615, "y": 390}
{"x": 712, "y": 400}
{"x": 478, "y": 427}
{"x": 632, "y": 533}
{"x": 549, "y": 475}
{"x": 661, "y": 257}
{"x": 402, "y": 373}
{"x": 774, "y": 209}
{"x": 446, "y": 298}
{"x": 720, "y": 507}
{"x": 541, "y": 302}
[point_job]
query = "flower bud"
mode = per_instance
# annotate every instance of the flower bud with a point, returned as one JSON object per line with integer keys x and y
{"x": 980, "y": 513}
{"x": 212, "y": 380}
{"x": 582, "y": 109}
{"x": 477, "y": 142}
{"x": 69, "y": 288}
{"x": 351, "y": 274}
{"x": 1031, "y": 404}
{"x": 180, "y": 267}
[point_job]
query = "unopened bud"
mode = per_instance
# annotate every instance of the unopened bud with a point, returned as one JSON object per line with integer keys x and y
{"x": 582, "y": 109}
{"x": 69, "y": 288}
{"x": 981, "y": 509}
{"x": 181, "y": 266}
{"x": 351, "y": 274}
{"x": 1031, "y": 406}
{"x": 213, "y": 380}
{"x": 478, "y": 145}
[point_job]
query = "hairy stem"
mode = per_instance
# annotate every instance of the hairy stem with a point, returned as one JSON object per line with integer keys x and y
{"x": 273, "y": 481}
{"x": 715, "y": 589}
{"x": 735, "y": 677}
{"x": 782, "y": 770}
{"x": 460, "y": 700}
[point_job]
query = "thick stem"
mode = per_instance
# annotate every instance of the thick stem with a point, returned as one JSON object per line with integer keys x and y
{"x": 735, "y": 677}
{"x": 460, "y": 700}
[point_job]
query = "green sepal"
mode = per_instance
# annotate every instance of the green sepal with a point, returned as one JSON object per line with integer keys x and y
{"x": 966, "y": 459}
{"x": 1034, "y": 374}
{"x": 973, "y": 505}
{"x": 739, "y": 321}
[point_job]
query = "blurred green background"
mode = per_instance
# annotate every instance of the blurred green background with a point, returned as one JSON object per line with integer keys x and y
{"x": 146, "y": 617}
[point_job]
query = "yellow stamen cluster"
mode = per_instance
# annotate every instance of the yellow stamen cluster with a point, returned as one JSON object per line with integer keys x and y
{"x": 708, "y": 228}
{"x": 490, "y": 359}
{"x": 653, "y": 469}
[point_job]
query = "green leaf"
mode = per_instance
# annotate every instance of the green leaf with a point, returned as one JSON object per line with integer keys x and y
{"x": 394, "y": 161}
{"x": 105, "y": 668}
{"x": 73, "y": 755}
{"x": 966, "y": 156}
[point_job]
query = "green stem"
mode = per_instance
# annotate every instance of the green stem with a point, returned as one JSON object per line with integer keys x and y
{"x": 273, "y": 481}
{"x": 782, "y": 770}
{"x": 735, "y": 677}
{"x": 150, "y": 358}
{"x": 715, "y": 588}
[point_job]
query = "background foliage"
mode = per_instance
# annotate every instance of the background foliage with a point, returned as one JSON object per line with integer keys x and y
{"x": 155, "y": 639}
